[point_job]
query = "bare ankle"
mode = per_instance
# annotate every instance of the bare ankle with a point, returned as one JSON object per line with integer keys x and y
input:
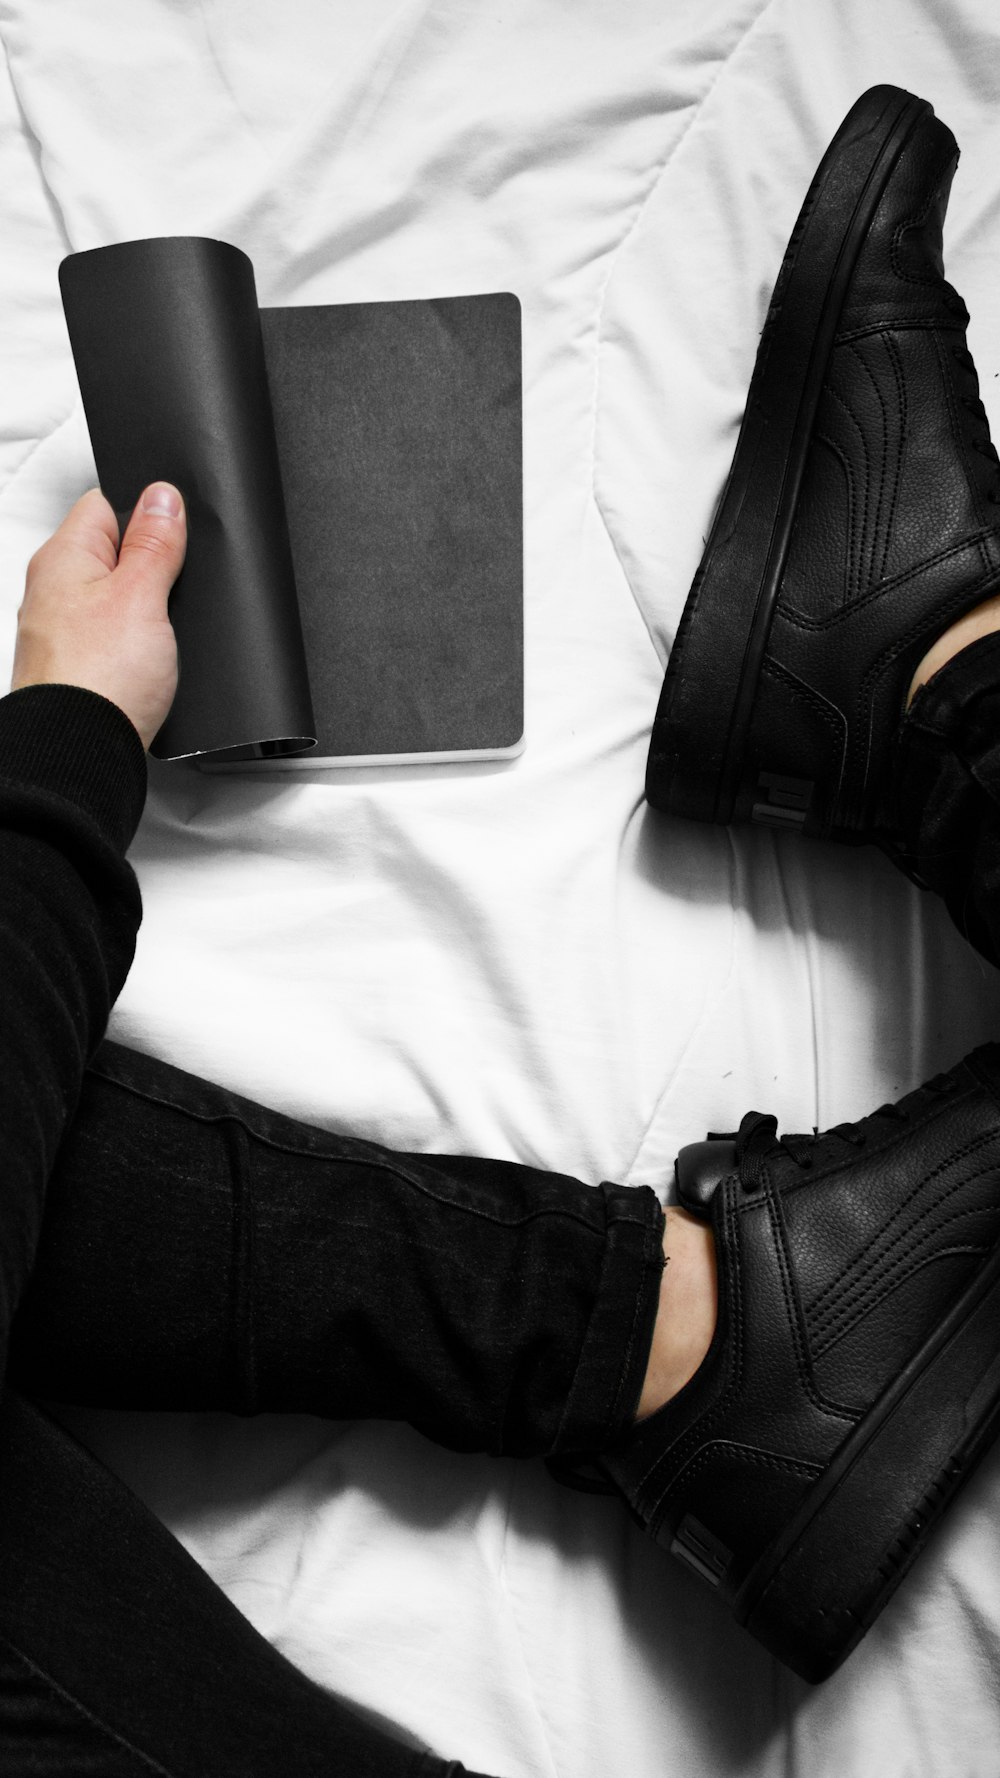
{"x": 687, "y": 1313}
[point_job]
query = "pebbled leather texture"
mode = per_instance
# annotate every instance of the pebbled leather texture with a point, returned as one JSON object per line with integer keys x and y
{"x": 894, "y": 530}
{"x": 839, "y": 1259}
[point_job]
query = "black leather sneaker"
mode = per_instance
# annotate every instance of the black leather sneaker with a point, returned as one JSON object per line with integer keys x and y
{"x": 854, "y": 1377}
{"x": 860, "y": 516}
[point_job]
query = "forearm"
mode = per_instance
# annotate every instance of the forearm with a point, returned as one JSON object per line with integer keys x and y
{"x": 72, "y": 787}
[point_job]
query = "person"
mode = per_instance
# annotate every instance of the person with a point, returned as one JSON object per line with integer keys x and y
{"x": 786, "y": 1375}
{"x": 201, "y": 1250}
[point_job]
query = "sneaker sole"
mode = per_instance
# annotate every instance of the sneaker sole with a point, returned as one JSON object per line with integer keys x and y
{"x": 818, "y": 1588}
{"x": 695, "y": 759}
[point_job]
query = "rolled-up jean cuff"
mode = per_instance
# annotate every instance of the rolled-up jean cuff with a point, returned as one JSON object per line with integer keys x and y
{"x": 606, "y": 1387}
{"x": 947, "y": 789}
{"x": 959, "y": 702}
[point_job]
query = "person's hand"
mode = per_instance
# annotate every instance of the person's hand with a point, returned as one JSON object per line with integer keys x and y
{"x": 96, "y": 616}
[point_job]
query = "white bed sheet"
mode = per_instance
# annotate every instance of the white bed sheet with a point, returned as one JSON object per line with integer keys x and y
{"x": 516, "y": 959}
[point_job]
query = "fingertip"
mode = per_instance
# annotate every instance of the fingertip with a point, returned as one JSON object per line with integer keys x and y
{"x": 162, "y": 500}
{"x": 156, "y": 532}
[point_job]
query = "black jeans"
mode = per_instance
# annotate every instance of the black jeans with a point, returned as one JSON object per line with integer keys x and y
{"x": 947, "y": 780}
{"x": 202, "y": 1252}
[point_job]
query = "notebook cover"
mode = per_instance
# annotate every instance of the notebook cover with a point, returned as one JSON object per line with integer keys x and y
{"x": 166, "y": 337}
{"x": 375, "y": 448}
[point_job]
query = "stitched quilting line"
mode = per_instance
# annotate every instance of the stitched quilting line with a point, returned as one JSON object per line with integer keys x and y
{"x": 707, "y": 1013}
{"x": 225, "y": 82}
{"x": 529, "y": 1669}
{"x": 724, "y": 66}
{"x": 37, "y": 154}
{"x": 34, "y": 445}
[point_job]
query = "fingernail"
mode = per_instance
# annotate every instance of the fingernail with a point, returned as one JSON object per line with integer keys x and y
{"x": 162, "y": 498}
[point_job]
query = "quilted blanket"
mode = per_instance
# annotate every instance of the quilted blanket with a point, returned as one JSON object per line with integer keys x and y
{"x": 516, "y": 958}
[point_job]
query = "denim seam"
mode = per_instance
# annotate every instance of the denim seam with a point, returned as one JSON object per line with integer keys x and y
{"x": 651, "y": 1238}
{"x": 614, "y": 1258}
{"x": 243, "y": 1331}
{"x": 341, "y": 1160}
{"x": 938, "y": 724}
{"x": 96, "y": 1722}
{"x": 936, "y": 729}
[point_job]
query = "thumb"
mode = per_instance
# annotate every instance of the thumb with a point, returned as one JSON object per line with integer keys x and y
{"x": 152, "y": 550}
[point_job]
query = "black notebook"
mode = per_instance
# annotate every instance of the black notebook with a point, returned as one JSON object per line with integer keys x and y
{"x": 353, "y": 589}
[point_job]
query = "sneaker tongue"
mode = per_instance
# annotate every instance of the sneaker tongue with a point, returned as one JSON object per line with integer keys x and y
{"x": 698, "y": 1170}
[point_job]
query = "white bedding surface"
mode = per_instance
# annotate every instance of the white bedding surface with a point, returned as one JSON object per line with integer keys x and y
{"x": 516, "y": 959}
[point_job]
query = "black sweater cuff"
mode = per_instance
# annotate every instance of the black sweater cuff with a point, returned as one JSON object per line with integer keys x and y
{"x": 75, "y": 744}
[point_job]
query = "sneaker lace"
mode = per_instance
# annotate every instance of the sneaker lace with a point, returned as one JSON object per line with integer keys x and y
{"x": 757, "y": 1140}
{"x": 979, "y": 433}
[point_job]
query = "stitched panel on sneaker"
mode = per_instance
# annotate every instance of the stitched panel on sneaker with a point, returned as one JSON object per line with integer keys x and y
{"x": 920, "y": 1201}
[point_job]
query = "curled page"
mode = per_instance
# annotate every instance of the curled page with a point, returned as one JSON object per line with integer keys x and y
{"x": 166, "y": 336}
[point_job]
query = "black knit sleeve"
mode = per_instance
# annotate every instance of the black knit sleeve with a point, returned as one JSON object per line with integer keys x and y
{"x": 72, "y": 789}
